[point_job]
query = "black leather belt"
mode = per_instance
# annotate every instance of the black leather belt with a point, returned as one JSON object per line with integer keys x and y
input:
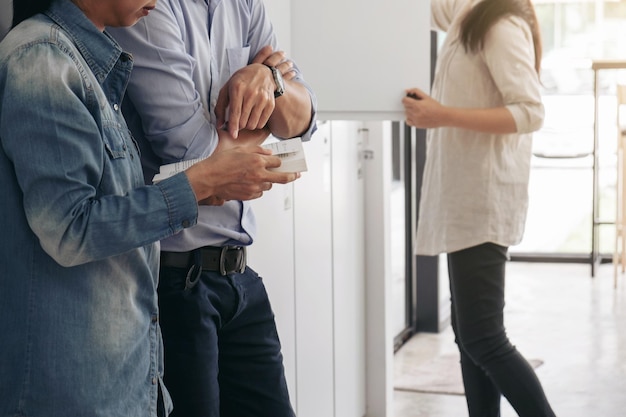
{"x": 225, "y": 260}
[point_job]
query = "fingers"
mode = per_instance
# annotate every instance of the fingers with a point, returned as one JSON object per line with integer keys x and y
{"x": 287, "y": 70}
{"x": 274, "y": 59}
{"x": 412, "y": 102}
{"x": 247, "y": 99}
{"x": 423, "y": 111}
{"x": 240, "y": 173}
{"x": 415, "y": 93}
{"x": 252, "y": 137}
{"x": 283, "y": 64}
{"x": 414, "y": 98}
{"x": 251, "y": 164}
{"x": 277, "y": 59}
{"x": 271, "y": 161}
{"x": 265, "y": 172}
{"x": 250, "y": 190}
{"x": 221, "y": 107}
{"x": 283, "y": 177}
{"x": 250, "y": 98}
{"x": 256, "y": 111}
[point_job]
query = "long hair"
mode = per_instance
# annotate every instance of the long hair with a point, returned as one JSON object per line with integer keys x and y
{"x": 485, "y": 14}
{"x": 23, "y": 9}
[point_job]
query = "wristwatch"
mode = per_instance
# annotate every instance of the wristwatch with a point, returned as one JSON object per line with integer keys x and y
{"x": 278, "y": 80}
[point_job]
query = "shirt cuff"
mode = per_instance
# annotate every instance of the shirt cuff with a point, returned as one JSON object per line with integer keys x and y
{"x": 181, "y": 202}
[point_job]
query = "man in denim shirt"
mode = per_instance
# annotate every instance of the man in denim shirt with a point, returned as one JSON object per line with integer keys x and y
{"x": 78, "y": 263}
{"x": 198, "y": 63}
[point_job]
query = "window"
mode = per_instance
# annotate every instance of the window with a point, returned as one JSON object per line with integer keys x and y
{"x": 561, "y": 215}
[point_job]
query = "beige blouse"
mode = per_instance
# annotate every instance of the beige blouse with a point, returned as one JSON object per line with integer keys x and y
{"x": 475, "y": 187}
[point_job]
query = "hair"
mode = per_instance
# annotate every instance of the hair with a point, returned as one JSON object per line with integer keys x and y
{"x": 23, "y": 9}
{"x": 485, "y": 14}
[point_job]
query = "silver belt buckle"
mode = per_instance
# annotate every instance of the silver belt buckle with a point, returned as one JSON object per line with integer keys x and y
{"x": 242, "y": 260}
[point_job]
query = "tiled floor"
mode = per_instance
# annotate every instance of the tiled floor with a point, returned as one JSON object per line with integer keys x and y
{"x": 559, "y": 314}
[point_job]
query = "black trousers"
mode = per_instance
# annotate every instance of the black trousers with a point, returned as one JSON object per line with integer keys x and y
{"x": 490, "y": 364}
{"x": 222, "y": 352}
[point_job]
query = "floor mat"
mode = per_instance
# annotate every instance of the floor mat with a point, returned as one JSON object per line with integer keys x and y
{"x": 441, "y": 375}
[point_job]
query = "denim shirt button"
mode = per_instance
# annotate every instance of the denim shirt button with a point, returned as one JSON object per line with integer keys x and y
{"x": 155, "y": 318}
{"x": 116, "y": 107}
{"x": 154, "y": 381}
{"x": 185, "y": 223}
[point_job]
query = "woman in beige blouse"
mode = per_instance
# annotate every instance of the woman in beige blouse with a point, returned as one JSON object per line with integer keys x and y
{"x": 485, "y": 104}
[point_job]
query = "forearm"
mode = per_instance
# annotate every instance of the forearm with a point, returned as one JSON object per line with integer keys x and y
{"x": 292, "y": 114}
{"x": 498, "y": 120}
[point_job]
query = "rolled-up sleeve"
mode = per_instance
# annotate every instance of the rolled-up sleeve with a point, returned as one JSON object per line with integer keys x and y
{"x": 510, "y": 56}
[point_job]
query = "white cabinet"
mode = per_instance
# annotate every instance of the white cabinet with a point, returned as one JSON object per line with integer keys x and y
{"x": 348, "y": 237}
{"x": 310, "y": 251}
{"x": 361, "y": 55}
{"x": 314, "y": 280}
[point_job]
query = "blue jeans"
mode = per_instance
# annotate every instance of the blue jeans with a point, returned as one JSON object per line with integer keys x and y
{"x": 222, "y": 351}
{"x": 490, "y": 364}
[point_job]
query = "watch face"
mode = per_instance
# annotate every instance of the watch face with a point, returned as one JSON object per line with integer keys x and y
{"x": 278, "y": 80}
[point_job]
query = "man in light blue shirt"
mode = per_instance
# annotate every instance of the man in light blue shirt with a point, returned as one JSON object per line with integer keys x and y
{"x": 205, "y": 78}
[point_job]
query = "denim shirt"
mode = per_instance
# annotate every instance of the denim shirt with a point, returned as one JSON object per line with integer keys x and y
{"x": 79, "y": 332}
{"x": 193, "y": 48}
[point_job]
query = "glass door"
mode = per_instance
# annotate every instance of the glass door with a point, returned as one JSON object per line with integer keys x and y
{"x": 573, "y": 173}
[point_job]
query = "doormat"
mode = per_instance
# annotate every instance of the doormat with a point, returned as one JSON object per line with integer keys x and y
{"x": 441, "y": 375}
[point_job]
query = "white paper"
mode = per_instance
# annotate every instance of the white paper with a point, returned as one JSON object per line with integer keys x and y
{"x": 290, "y": 152}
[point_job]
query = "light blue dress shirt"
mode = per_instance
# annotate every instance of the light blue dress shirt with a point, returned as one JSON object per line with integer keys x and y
{"x": 184, "y": 51}
{"x": 78, "y": 264}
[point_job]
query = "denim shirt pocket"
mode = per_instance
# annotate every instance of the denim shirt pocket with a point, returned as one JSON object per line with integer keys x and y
{"x": 123, "y": 168}
{"x": 114, "y": 142}
{"x": 237, "y": 58}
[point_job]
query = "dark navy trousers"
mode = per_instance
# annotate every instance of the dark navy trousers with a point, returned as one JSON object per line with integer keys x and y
{"x": 222, "y": 351}
{"x": 490, "y": 364}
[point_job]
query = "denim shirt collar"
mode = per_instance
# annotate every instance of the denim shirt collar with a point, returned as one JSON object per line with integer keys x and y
{"x": 98, "y": 49}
